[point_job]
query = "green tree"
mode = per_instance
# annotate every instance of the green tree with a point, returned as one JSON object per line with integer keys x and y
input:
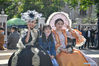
{"x": 83, "y": 4}
{"x": 46, "y": 7}
{"x": 4, "y": 4}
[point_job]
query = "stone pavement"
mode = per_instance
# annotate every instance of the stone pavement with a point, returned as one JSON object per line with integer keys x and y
{"x": 4, "y": 55}
{"x": 94, "y": 54}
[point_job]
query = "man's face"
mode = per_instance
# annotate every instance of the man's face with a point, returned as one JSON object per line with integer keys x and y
{"x": 2, "y": 32}
{"x": 12, "y": 30}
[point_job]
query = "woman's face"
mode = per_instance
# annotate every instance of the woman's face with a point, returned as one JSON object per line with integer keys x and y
{"x": 47, "y": 31}
{"x": 32, "y": 24}
{"x": 59, "y": 25}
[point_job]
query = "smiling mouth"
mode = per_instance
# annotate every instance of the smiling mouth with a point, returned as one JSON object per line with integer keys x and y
{"x": 60, "y": 27}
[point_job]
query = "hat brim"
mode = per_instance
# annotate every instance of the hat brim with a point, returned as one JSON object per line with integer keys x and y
{"x": 56, "y": 15}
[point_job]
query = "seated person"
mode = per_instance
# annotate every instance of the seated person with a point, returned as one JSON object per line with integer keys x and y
{"x": 47, "y": 43}
{"x": 29, "y": 53}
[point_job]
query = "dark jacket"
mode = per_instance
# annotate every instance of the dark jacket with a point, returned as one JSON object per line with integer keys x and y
{"x": 13, "y": 40}
{"x": 47, "y": 46}
{"x": 84, "y": 33}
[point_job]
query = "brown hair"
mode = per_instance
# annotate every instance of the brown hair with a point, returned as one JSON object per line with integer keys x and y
{"x": 56, "y": 21}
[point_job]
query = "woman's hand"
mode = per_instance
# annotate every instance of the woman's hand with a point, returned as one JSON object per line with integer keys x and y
{"x": 57, "y": 53}
{"x": 52, "y": 56}
{"x": 28, "y": 25}
{"x": 68, "y": 27}
{"x": 28, "y": 34}
{"x": 64, "y": 50}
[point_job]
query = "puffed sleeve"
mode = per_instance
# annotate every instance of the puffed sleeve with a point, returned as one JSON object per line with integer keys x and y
{"x": 80, "y": 40}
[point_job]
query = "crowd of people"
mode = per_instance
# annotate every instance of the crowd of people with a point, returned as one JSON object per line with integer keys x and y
{"x": 12, "y": 41}
{"x": 91, "y": 36}
{"x": 53, "y": 47}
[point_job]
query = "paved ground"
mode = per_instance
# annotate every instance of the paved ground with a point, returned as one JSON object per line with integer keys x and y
{"x": 94, "y": 54}
{"x": 4, "y": 56}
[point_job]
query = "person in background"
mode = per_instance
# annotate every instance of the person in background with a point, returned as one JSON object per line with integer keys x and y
{"x": 47, "y": 43}
{"x": 88, "y": 36}
{"x": 92, "y": 37}
{"x": 40, "y": 30}
{"x": 2, "y": 39}
{"x": 96, "y": 38}
{"x": 13, "y": 38}
{"x": 84, "y": 34}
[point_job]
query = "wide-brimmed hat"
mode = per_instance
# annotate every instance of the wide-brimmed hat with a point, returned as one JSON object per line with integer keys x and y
{"x": 59, "y": 15}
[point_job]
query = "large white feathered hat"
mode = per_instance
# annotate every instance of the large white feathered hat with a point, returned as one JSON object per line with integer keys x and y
{"x": 29, "y": 16}
{"x": 59, "y": 15}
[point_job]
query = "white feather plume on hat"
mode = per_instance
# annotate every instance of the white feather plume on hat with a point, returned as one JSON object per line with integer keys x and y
{"x": 30, "y": 15}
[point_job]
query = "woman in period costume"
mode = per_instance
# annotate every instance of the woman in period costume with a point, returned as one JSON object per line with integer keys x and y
{"x": 61, "y": 25}
{"x": 47, "y": 43}
{"x": 29, "y": 52}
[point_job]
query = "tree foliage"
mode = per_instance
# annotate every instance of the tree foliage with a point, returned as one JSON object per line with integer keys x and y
{"x": 4, "y": 4}
{"x": 16, "y": 7}
{"x": 83, "y": 4}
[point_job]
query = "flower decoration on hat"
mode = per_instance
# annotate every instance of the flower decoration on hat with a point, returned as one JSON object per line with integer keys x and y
{"x": 30, "y": 16}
